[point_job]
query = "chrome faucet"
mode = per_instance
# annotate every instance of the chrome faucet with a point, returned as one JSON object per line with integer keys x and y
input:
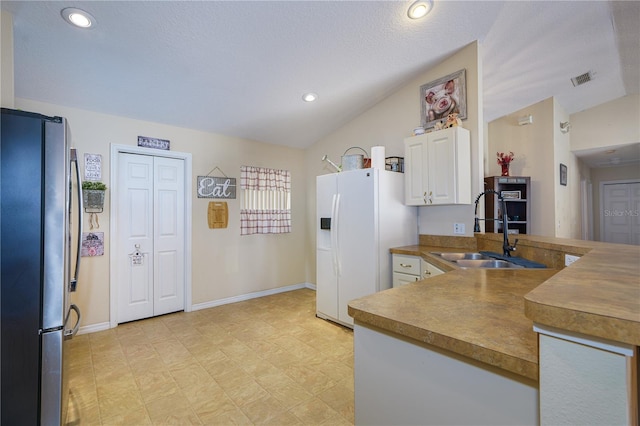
{"x": 507, "y": 248}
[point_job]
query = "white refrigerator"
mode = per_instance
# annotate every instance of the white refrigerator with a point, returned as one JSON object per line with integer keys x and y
{"x": 360, "y": 216}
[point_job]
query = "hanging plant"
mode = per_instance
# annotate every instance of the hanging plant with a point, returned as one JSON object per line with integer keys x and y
{"x": 94, "y": 186}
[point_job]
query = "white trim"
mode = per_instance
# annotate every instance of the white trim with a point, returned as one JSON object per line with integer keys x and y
{"x": 115, "y": 150}
{"x": 249, "y": 296}
{"x": 594, "y": 342}
{"x": 93, "y": 328}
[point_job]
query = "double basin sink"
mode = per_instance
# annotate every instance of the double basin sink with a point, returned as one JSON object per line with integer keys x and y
{"x": 476, "y": 260}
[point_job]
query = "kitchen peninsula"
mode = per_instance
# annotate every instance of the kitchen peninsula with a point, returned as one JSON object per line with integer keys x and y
{"x": 461, "y": 347}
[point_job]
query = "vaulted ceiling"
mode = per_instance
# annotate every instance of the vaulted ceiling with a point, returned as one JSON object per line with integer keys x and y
{"x": 240, "y": 68}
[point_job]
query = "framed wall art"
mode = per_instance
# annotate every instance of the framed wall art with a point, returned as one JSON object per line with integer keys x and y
{"x": 563, "y": 175}
{"x": 442, "y": 97}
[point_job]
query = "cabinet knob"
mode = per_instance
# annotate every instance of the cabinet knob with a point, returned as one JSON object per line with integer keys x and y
{"x": 405, "y": 265}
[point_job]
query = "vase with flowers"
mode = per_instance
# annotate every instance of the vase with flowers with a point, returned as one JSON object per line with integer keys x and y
{"x": 504, "y": 160}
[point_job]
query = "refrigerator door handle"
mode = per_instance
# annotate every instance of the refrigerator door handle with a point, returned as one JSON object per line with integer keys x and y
{"x": 332, "y": 235}
{"x": 69, "y": 333}
{"x": 336, "y": 232}
{"x": 74, "y": 279}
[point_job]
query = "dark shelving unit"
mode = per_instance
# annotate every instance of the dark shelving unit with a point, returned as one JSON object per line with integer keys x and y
{"x": 517, "y": 193}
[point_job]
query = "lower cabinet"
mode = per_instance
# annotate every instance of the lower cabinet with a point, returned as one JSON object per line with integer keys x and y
{"x": 408, "y": 269}
{"x": 400, "y": 381}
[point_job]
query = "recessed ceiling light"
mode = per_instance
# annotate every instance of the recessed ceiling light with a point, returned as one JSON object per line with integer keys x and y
{"x": 309, "y": 97}
{"x": 420, "y": 9}
{"x": 78, "y": 17}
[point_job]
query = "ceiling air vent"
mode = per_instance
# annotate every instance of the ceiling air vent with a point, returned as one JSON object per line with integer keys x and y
{"x": 581, "y": 79}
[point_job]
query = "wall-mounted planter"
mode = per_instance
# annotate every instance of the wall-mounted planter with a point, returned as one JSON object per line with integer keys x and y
{"x": 93, "y": 196}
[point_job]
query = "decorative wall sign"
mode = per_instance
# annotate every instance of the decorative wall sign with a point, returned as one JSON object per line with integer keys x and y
{"x": 92, "y": 244}
{"x": 216, "y": 187}
{"x": 217, "y": 214}
{"x": 442, "y": 97}
{"x": 147, "y": 142}
{"x": 92, "y": 167}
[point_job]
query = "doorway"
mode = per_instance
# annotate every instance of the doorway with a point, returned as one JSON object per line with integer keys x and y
{"x": 620, "y": 215}
{"x": 151, "y": 233}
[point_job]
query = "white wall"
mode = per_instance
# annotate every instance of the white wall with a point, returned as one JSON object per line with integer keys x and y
{"x": 224, "y": 263}
{"x": 533, "y": 147}
{"x": 388, "y": 123}
{"x": 6, "y": 60}
{"x": 568, "y": 219}
{"x": 613, "y": 123}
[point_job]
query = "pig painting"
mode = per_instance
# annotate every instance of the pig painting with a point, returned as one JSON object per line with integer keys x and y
{"x": 443, "y": 97}
{"x": 442, "y": 102}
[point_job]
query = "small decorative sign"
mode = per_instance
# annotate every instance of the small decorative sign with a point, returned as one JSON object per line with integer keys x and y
{"x": 155, "y": 143}
{"x": 92, "y": 244}
{"x": 511, "y": 195}
{"x": 92, "y": 167}
{"x": 216, "y": 187}
{"x": 137, "y": 259}
{"x": 217, "y": 214}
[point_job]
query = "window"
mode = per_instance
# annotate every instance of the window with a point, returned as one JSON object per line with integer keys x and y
{"x": 266, "y": 201}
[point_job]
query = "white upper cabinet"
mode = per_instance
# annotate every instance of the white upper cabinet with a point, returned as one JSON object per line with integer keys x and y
{"x": 438, "y": 168}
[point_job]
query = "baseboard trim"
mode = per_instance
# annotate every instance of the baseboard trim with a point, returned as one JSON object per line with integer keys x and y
{"x": 249, "y": 296}
{"x": 93, "y": 328}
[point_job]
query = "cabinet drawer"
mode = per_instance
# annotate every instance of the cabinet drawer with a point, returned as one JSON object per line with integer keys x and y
{"x": 401, "y": 279}
{"x": 406, "y": 264}
{"x": 428, "y": 270}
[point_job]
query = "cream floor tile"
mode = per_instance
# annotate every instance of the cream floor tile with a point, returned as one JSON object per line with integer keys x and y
{"x": 314, "y": 411}
{"x": 266, "y": 361}
{"x": 156, "y": 384}
{"x": 234, "y": 416}
{"x": 263, "y": 410}
{"x": 114, "y": 403}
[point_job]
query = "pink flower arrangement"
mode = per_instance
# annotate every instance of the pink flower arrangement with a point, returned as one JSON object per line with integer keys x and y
{"x": 504, "y": 159}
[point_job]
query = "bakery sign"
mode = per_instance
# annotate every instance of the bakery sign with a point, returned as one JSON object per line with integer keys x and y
{"x": 216, "y": 187}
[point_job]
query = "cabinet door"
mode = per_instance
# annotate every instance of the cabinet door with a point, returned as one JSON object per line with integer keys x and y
{"x": 438, "y": 168}
{"x": 415, "y": 172}
{"x": 441, "y": 168}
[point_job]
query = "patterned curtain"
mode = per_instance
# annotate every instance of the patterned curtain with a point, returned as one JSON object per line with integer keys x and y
{"x": 266, "y": 201}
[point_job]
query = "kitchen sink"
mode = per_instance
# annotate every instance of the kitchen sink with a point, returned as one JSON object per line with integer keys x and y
{"x": 454, "y": 257}
{"x": 476, "y": 260}
{"x": 486, "y": 263}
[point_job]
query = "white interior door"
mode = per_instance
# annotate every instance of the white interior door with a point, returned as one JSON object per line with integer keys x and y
{"x": 168, "y": 218}
{"x": 150, "y": 236}
{"x": 620, "y": 220}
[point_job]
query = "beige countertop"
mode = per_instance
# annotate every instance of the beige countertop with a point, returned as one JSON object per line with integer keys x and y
{"x": 488, "y": 314}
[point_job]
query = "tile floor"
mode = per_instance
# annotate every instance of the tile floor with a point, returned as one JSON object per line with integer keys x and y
{"x": 262, "y": 361}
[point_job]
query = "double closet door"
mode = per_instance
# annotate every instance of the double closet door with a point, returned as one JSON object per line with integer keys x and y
{"x": 150, "y": 236}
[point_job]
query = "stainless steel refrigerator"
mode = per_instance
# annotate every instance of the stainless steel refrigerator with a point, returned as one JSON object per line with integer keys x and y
{"x": 40, "y": 202}
{"x": 360, "y": 216}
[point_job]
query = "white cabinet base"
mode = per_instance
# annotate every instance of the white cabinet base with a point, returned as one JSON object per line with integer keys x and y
{"x": 585, "y": 382}
{"x": 402, "y": 382}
